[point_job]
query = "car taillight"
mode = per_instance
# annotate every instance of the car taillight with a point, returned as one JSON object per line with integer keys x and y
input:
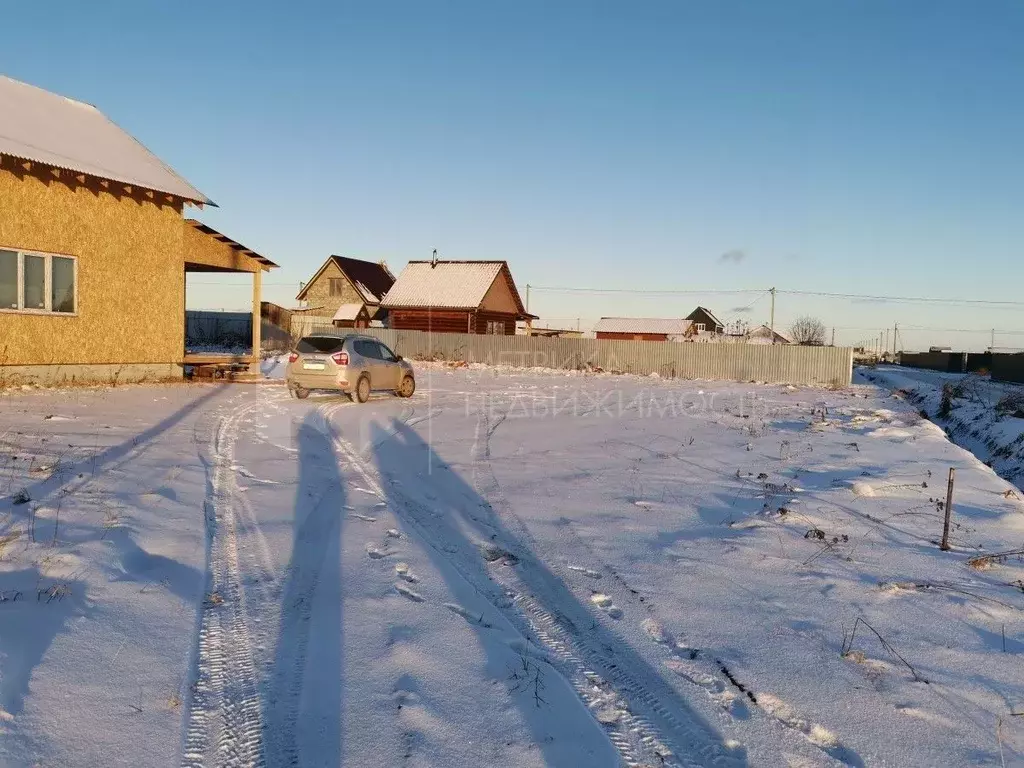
{"x": 293, "y": 357}
{"x": 341, "y": 358}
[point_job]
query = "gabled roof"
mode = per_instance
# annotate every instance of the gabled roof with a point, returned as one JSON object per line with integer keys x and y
{"x": 371, "y": 279}
{"x": 764, "y": 330}
{"x": 40, "y": 126}
{"x": 669, "y": 326}
{"x": 707, "y": 312}
{"x": 449, "y": 285}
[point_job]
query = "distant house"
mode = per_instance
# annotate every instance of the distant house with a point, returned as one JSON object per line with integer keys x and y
{"x": 455, "y": 297}
{"x": 95, "y": 247}
{"x": 705, "y": 323}
{"x": 762, "y": 334}
{"x": 553, "y": 333}
{"x": 347, "y": 290}
{"x": 641, "y": 329}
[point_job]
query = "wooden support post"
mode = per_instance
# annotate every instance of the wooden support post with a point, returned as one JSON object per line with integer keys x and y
{"x": 944, "y": 546}
{"x": 257, "y": 285}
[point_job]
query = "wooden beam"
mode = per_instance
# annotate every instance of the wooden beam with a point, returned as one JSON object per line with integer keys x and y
{"x": 257, "y": 285}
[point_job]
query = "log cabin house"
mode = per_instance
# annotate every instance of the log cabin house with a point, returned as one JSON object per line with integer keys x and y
{"x": 477, "y": 297}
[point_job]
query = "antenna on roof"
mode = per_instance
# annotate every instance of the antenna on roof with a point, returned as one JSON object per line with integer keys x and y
{"x": 433, "y": 259}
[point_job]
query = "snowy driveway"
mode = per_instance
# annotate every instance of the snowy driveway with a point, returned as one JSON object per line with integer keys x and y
{"x": 515, "y": 570}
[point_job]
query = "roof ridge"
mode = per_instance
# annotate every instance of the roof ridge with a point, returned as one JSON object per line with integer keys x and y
{"x": 50, "y": 93}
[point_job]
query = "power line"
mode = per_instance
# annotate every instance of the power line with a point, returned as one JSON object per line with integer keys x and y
{"x": 790, "y": 292}
{"x": 920, "y": 299}
{"x": 567, "y": 289}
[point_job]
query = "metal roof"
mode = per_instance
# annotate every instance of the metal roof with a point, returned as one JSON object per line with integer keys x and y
{"x": 708, "y": 312}
{"x": 371, "y": 279}
{"x": 46, "y": 128}
{"x": 446, "y": 284}
{"x": 669, "y": 326}
{"x": 206, "y": 229}
{"x": 348, "y": 312}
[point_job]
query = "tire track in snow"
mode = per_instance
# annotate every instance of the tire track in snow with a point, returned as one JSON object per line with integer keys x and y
{"x": 698, "y": 668}
{"x": 647, "y": 728}
{"x": 223, "y": 724}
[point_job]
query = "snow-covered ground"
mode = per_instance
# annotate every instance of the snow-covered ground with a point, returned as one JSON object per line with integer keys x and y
{"x": 986, "y": 417}
{"x": 516, "y": 569}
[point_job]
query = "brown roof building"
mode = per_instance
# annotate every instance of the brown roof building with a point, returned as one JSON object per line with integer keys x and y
{"x": 455, "y": 297}
{"x": 348, "y": 290}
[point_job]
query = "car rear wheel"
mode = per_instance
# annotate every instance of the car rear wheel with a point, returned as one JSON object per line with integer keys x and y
{"x": 363, "y": 388}
{"x": 407, "y": 387}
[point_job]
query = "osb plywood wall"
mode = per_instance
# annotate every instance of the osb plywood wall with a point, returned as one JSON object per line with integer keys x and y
{"x": 202, "y": 248}
{"x": 318, "y": 294}
{"x": 131, "y": 278}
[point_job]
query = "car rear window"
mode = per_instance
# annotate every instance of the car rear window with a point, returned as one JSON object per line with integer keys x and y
{"x": 322, "y": 344}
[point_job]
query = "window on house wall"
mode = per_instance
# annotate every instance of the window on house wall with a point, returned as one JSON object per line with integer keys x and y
{"x": 37, "y": 282}
{"x": 496, "y": 327}
{"x": 700, "y": 327}
{"x": 336, "y": 286}
{"x": 8, "y": 280}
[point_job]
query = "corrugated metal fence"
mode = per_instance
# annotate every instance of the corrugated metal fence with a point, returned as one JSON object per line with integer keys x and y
{"x": 218, "y": 328}
{"x": 1008, "y": 367}
{"x": 230, "y": 329}
{"x": 728, "y": 362}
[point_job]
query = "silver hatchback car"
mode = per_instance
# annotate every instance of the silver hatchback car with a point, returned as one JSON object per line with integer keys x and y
{"x": 349, "y": 363}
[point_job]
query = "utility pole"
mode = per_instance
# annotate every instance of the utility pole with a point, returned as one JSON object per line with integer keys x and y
{"x": 527, "y": 297}
{"x": 895, "y": 330}
{"x": 833, "y": 335}
{"x": 993, "y": 347}
{"x": 886, "y": 340}
{"x": 772, "y": 326}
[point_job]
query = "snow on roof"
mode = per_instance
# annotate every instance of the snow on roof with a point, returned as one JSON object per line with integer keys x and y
{"x": 449, "y": 284}
{"x": 44, "y": 127}
{"x": 348, "y": 312}
{"x": 764, "y": 330}
{"x": 670, "y": 326}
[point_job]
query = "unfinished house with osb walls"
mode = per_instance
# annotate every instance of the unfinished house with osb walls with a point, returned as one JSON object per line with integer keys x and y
{"x": 94, "y": 248}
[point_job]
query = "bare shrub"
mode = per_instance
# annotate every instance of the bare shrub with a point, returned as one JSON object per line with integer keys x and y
{"x": 1012, "y": 404}
{"x": 808, "y": 330}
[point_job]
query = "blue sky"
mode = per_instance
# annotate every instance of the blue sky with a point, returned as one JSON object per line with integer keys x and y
{"x": 842, "y": 146}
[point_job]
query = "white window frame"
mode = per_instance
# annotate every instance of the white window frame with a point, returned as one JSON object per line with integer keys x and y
{"x": 700, "y": 327}
{"x": 47, "y": 283}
